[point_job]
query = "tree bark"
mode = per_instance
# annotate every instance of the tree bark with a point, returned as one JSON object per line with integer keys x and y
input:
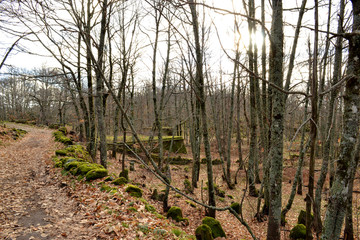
{"x": 337, "y": 205}
{"x": 277, "y": 124}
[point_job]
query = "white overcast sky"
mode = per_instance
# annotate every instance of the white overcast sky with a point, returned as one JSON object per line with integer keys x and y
{"x": 224, "y": 24}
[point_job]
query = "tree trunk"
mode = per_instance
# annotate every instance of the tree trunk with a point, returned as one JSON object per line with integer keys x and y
{"x": 253, "y": 154}
{"x": 337, "y": 205}
{"x": 201, "y": 98}
{"x": 329, "y": 127}
{"x": 100, "y": 87}
{"x": 277, "y": 124}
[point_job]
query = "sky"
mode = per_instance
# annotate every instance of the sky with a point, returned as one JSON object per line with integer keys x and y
{"x": 224, "y": 26}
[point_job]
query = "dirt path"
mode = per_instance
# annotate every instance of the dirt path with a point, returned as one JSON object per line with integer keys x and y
{"x": 33, "y": 203}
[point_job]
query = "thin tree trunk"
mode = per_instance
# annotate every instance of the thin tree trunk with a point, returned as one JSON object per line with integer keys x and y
{"x": 201, "y": 98}
{"x": 329, "y": 127}
{"x": 100, "y": 88}
{"x": 302, "y": 152}
{"x": 253, "y": 155}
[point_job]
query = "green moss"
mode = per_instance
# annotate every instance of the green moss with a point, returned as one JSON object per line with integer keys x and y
{"x": 230, "y": 196}
{"x": 150, "y": 208}
{"x": 177, "y": 232}
{"x": 218, "y": 191}
{"x": 216, "y": 229}
{"x": 132, "y": 209}
{"x": 302, "y": 217}
{"x": 72, "y": 164}
{"x": 180, "y": 161}
{"x": 143, "y": 228}
{"x": 63, "y": 130}
{"x": 190, "y": 203}
{"x": 84, "y": 168}
{"x": 120, "y": 181}
{"x": 298, "y": 232}
{"x": 109, "y": 179}
{"x": 217, "y": 161}
{"x": 105, "y": 188}
{"x": 96, "y": 173}
{"x": 236, "y": 207}
{"x": 124, "y": 174}
{"x": 124, "y": 224}
{"x": 187, "y": 185}
{"x": 60, "y": 137}
{"x": 54, "y": 126}
{"x": 175, "y": 213}
{"x": 60, "y": 152}
{"x": 203, "y": 232}
{"x": 78, "y": 151}
{"x": 133, "y": 191}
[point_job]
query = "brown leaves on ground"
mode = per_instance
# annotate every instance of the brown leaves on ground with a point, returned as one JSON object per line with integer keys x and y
{"x": 37, "y": 202}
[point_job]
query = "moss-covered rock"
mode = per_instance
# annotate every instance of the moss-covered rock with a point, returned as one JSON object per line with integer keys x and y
{"x": 175, "y": 213}
{"x": 120, "y": 181}
{"x": 66, "y": 160}
{"x": 124, "y": 174}
{"x": 96, "y": 173}
{"x": 203, "y": 232}
{"x": 54, "y": 126}
{"x": 180, "y": 161}
{"x": 60, "y": 137}
{"x": 63, "y": 130}
{"x": 217, "y": 161}
{"x": 133, "y": 191}
{"x": 236, "y": 207}
{"x": 216, "y": 229}
{"x": 73, "y": 164}
{"x": 60, "y": 152}
{"x": 298, "y": 232}
{"x": 109, "y": 179}
{"x": 78, "y": 151}
{"x": 84, "y": 168}
{"x": 302, "y": 217}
